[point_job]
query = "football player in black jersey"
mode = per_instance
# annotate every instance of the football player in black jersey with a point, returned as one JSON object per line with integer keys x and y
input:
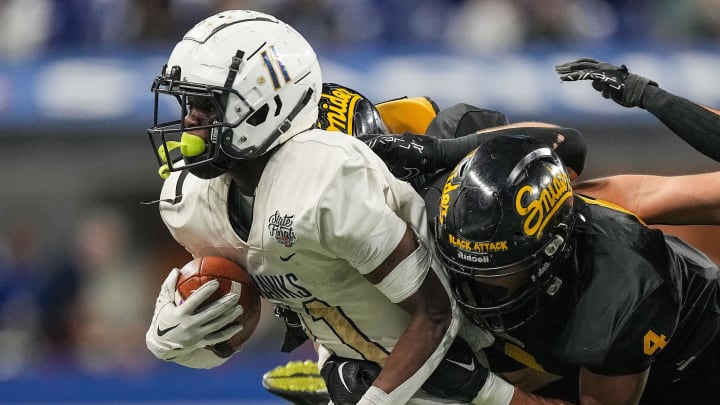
{"x": 428, "y": 154}
{"x": 574, "y": 288}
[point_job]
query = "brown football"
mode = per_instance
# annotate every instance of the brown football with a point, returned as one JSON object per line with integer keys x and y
{"x": 203, "y": 269}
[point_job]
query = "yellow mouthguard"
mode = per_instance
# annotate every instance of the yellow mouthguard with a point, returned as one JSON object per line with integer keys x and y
{"x": 190, "y": 146}
{"x": 164, "y": 171}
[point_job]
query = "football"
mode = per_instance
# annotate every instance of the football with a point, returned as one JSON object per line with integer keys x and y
{"x": 203, "y": 269}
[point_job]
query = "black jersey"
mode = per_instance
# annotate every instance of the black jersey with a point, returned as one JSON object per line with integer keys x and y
{"x": 631, "y": 297}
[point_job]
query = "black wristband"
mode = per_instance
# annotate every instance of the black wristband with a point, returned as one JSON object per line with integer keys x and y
{"x": 635, "y": 87}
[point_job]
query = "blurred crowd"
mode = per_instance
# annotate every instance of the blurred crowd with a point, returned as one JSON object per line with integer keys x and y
{"x": 85, "y": 304}
{"x": 30, "y": 27}
{"x": 88, "y": 301}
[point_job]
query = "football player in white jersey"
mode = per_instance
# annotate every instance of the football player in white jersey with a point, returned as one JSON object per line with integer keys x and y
{"x": 311, "y": 244}
{"x": 334, "y": 236}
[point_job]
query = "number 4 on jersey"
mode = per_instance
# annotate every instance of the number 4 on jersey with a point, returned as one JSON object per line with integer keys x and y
{"x": 653, "y": 342}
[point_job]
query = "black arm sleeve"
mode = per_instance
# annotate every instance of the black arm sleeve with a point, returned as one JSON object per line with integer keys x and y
{"x": 696, "y": 125}
{"x": 567, "y": 142}
{"x": 410, "y": 155}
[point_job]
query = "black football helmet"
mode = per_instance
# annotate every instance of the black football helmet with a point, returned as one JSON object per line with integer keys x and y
{"x": 345, "y": 110}
{"x": 505, "y": 215}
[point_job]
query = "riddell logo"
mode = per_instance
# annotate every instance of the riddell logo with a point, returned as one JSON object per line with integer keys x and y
{"x": 473, "y": 258}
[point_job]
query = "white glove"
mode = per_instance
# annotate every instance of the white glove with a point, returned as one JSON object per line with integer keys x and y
{"x": 180, "y": 333}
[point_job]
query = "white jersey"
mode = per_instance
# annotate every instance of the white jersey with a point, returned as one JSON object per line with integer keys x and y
{"x": 321, "y": 220}
{"x": 195, "y": 212}
{"x": 327, "y": 210}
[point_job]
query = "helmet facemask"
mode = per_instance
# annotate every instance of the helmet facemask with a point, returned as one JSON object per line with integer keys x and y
{"x": 501, "y": 309}
{"x": 505, "y": 217}
{"x": 205, "y": 157}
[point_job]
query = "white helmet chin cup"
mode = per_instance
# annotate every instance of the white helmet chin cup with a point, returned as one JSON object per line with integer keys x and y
{"x": 264, "y": 74}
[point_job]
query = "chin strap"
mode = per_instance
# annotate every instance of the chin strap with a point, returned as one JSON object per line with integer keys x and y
{"x": 285, "y": 125}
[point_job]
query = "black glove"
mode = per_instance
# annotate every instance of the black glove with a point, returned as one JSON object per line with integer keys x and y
{"x": 347, "y": 380}
{"x": 406, "y": 155}
{"x": 459, "y": 376}
{"x": 614, "y": 82}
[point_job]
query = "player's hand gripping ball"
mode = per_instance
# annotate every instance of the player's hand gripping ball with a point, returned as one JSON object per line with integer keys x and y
{"x": 232, "y": 278}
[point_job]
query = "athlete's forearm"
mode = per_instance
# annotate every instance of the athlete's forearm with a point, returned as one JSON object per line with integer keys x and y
{"x": 407, "y": 278}
{"x": 423, "y": 344}
{"x": 421, "y": 338}
{"x": 567, "y": 142}
{"x": 698, "y": 126}
{"x": 670, "y": 200}
{"x": 683, "y": 200}
{"x": 409, "y": 155}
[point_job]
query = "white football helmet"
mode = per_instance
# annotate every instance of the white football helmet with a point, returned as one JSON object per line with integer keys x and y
{"x": 257, "y": 75}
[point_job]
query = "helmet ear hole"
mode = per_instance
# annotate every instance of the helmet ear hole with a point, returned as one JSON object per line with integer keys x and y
{"x": 259, "y": 116}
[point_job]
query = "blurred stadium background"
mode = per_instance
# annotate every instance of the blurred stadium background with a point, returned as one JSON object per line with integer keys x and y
{"x": 81, "y": 258}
